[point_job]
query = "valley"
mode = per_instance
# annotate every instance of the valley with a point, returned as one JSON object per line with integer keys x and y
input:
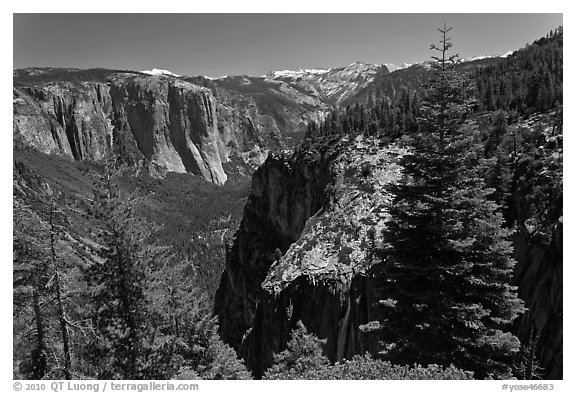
{"x": 204, "y": 228}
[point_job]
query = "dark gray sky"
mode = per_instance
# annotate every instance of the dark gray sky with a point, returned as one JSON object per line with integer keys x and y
{"x": 252, "y": 44}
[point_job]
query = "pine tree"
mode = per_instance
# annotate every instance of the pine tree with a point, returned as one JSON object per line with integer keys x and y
{"x": 208, "y": 357}
{"x": 447, "y": 299}
{"x": 39, "y": 277}
{"x": 311, "y": 130}
{"x": 117, "y": 294}
{"x": 31, "y": 274}
{"x": 151, "y": 320}
{"x": 59, "y": 287}
{"x": 303, "y": 359}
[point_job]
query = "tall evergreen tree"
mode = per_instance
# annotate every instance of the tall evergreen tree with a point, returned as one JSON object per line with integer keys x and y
{"x": 59, "y": 288}
{"x": 303, "y": 359}
{"x": 151, "y": 320}
{"x": 117, "y": 292}
{"x": 40, "y": 281}
{"x": 31, "y": 274}
{"x": 447, "y": 297}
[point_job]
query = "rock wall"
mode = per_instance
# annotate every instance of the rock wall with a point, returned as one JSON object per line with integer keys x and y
{"x": 282, "y": 198}
{"x": 332, "y": 310}
{"x": 63, "y": 120}
{"x": 302, "y": 251}
{"x": 538, "y": 275}
{"x": 166, "y": 123}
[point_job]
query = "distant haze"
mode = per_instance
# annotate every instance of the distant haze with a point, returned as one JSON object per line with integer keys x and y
{"x": 253, "y": 44}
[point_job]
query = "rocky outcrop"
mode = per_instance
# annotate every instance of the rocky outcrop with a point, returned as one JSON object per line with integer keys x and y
{"x": 537, "y": 209}
{"x": 163, "y": 122}
{"x": 303, "y": 250}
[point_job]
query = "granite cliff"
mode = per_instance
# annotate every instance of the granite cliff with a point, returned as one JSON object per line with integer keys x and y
{"x": 303, "y": 249}
{"x": 161, "y": 122}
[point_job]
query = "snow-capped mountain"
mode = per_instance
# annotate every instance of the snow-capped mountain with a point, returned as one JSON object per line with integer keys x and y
{"x": 295, "y": 74}
{"x": 156, "y": 71}
{"x": 331, "y": 85}
{"x": 292, "y": 98}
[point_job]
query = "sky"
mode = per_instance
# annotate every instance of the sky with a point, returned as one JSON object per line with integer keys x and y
{"x": 253, "y": 44}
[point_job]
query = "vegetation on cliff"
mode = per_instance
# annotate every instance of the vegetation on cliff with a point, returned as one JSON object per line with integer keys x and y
{"x": 386, "y": 241}
{"x": 527, "y": 82}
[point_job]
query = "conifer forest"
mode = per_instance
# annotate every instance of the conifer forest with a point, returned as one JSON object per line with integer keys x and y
{"x": 360, "y": 222}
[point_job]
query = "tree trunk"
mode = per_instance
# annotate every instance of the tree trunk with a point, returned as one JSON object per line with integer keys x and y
{"x": 63, "y": 328}
{"x": 39, "y": 355}
{"x": 61, "y": 315}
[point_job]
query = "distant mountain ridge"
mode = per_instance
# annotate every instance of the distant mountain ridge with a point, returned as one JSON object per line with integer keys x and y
{"x": 294, "y": 98}
{"x": 332, "y": 85}
{"x": 271, "y": 110}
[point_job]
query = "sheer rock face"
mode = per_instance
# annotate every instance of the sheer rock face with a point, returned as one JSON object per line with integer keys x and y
{"x": 303, "y": 250}
{"x": 538, "y": 275}
{"x": 64, "y": 120}
{"x": 162, "y": 122}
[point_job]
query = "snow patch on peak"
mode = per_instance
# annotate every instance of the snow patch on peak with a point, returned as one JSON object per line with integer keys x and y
{"x": 215, "y": 78}
{"x": 359, "y": 66}
{"x": 488, "y": 56}
{"x": 394, "y": 67}
{"x": 156, "y": 71}
{"x": 391, "y": 67}
{"x": 299, "y": 73}
{"x": 317, "y": 71}
{"x": 472, "y": 58}
{"x": 310, "y": 73}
